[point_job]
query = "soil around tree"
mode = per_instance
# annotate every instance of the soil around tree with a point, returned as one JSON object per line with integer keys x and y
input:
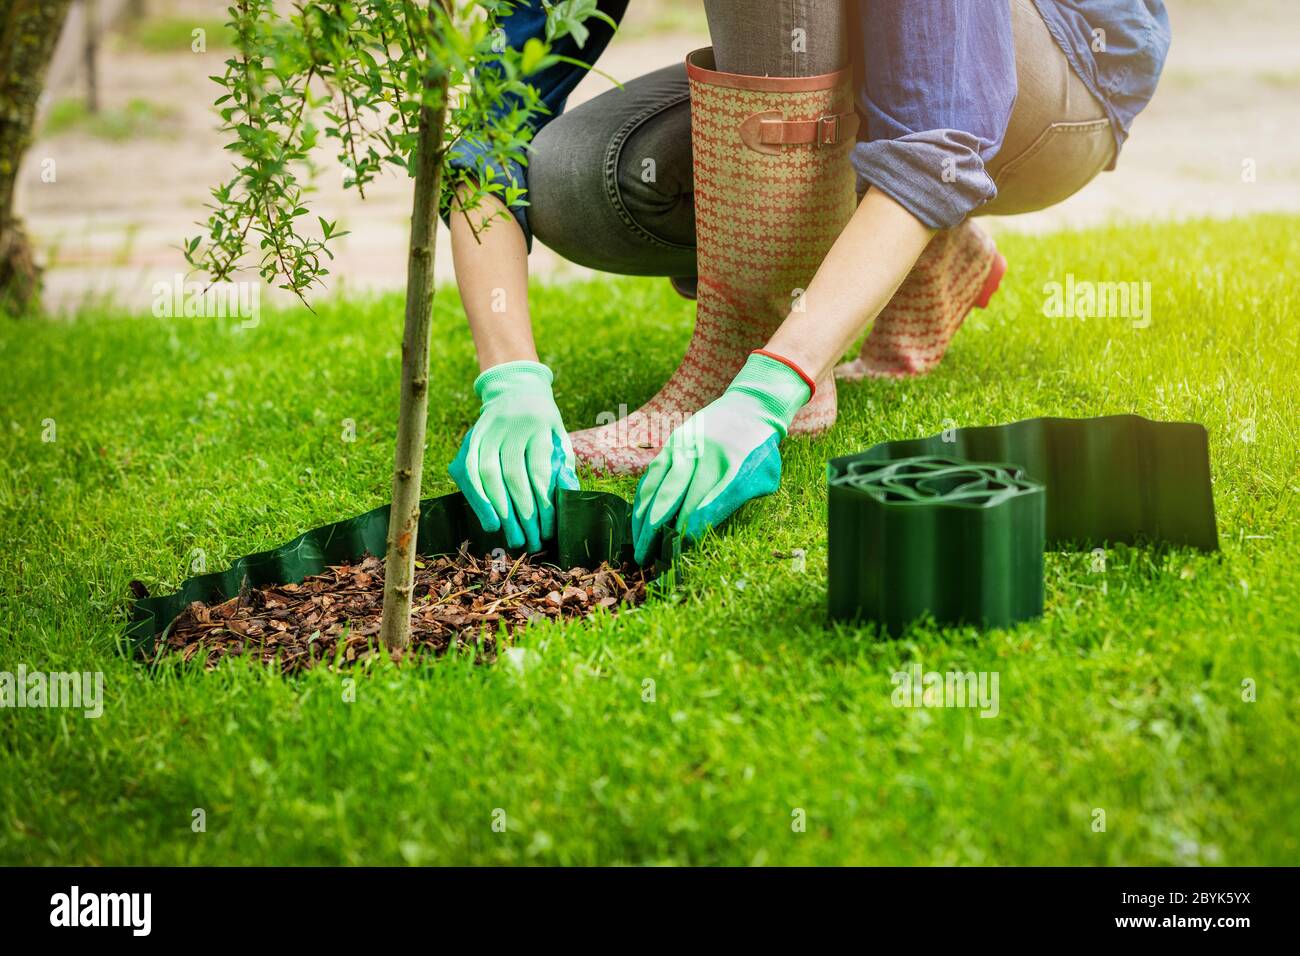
{"x": 332, "y": 619}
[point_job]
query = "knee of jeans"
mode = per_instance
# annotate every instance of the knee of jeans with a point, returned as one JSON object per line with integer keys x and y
{"x": 565, "y": 175}
{"x": 655, "y": 190}
{"x": 588, "y": 212}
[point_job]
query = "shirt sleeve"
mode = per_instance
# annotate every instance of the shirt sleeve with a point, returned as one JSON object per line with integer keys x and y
{"x": 525, "y": 21}
{"x": 938, "y": 84}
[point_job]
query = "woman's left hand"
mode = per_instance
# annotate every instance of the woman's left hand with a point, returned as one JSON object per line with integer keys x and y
{"x": 722, "y": 456}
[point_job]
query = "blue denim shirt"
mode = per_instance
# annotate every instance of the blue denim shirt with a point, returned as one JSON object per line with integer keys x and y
{"x": 938, "y": 83}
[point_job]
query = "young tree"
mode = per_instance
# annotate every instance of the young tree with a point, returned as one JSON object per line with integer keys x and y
{"x": 90, "y": 29}
{"x": 395, "y": 83}
{"x": 28, "y": 32}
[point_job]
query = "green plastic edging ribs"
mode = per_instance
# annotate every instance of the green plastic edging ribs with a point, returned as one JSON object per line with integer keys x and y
{"x": 591, "y": 526}
{"x": 955, "y": 525}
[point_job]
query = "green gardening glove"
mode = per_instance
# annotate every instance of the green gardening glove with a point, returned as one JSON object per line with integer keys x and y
{"x": 516, "y": 455}
{"x": 722, "y": 456}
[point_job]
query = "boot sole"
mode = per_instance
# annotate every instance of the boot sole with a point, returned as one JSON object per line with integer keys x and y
{"x": 996, "y": 272}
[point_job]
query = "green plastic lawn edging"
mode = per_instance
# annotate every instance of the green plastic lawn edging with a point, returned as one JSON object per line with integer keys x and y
{"x": 591, "y": 526}
{"x": 955, "y": 525}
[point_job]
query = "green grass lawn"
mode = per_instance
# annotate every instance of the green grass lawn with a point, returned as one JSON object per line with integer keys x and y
{"x": 183, "y": 434}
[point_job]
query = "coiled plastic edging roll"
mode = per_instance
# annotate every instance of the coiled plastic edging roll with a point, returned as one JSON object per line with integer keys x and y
{"x": 955, "y": 525}
{"x": 591, "y": 526}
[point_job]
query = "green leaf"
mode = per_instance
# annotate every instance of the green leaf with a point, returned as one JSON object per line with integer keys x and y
{"x": 534, "y": 52}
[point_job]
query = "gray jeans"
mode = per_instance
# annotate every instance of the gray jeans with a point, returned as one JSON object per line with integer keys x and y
{"x": 610, "y": 182}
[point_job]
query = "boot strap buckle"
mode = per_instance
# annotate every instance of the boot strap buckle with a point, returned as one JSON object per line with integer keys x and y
{"x": 768, "y": 131}
{"x": 828, "y": 130}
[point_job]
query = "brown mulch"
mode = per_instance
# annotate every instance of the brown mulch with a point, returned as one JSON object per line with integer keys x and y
{"x": 333, "y": 618}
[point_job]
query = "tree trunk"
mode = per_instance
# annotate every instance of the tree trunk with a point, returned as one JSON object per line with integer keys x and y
{"x": 90, "y": 51}
{"x": 28, "y": 31}
{"x": 404, "y": 517}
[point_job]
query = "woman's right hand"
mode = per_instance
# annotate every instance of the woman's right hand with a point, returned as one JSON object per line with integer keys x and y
{"x": 516, "y": 455}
